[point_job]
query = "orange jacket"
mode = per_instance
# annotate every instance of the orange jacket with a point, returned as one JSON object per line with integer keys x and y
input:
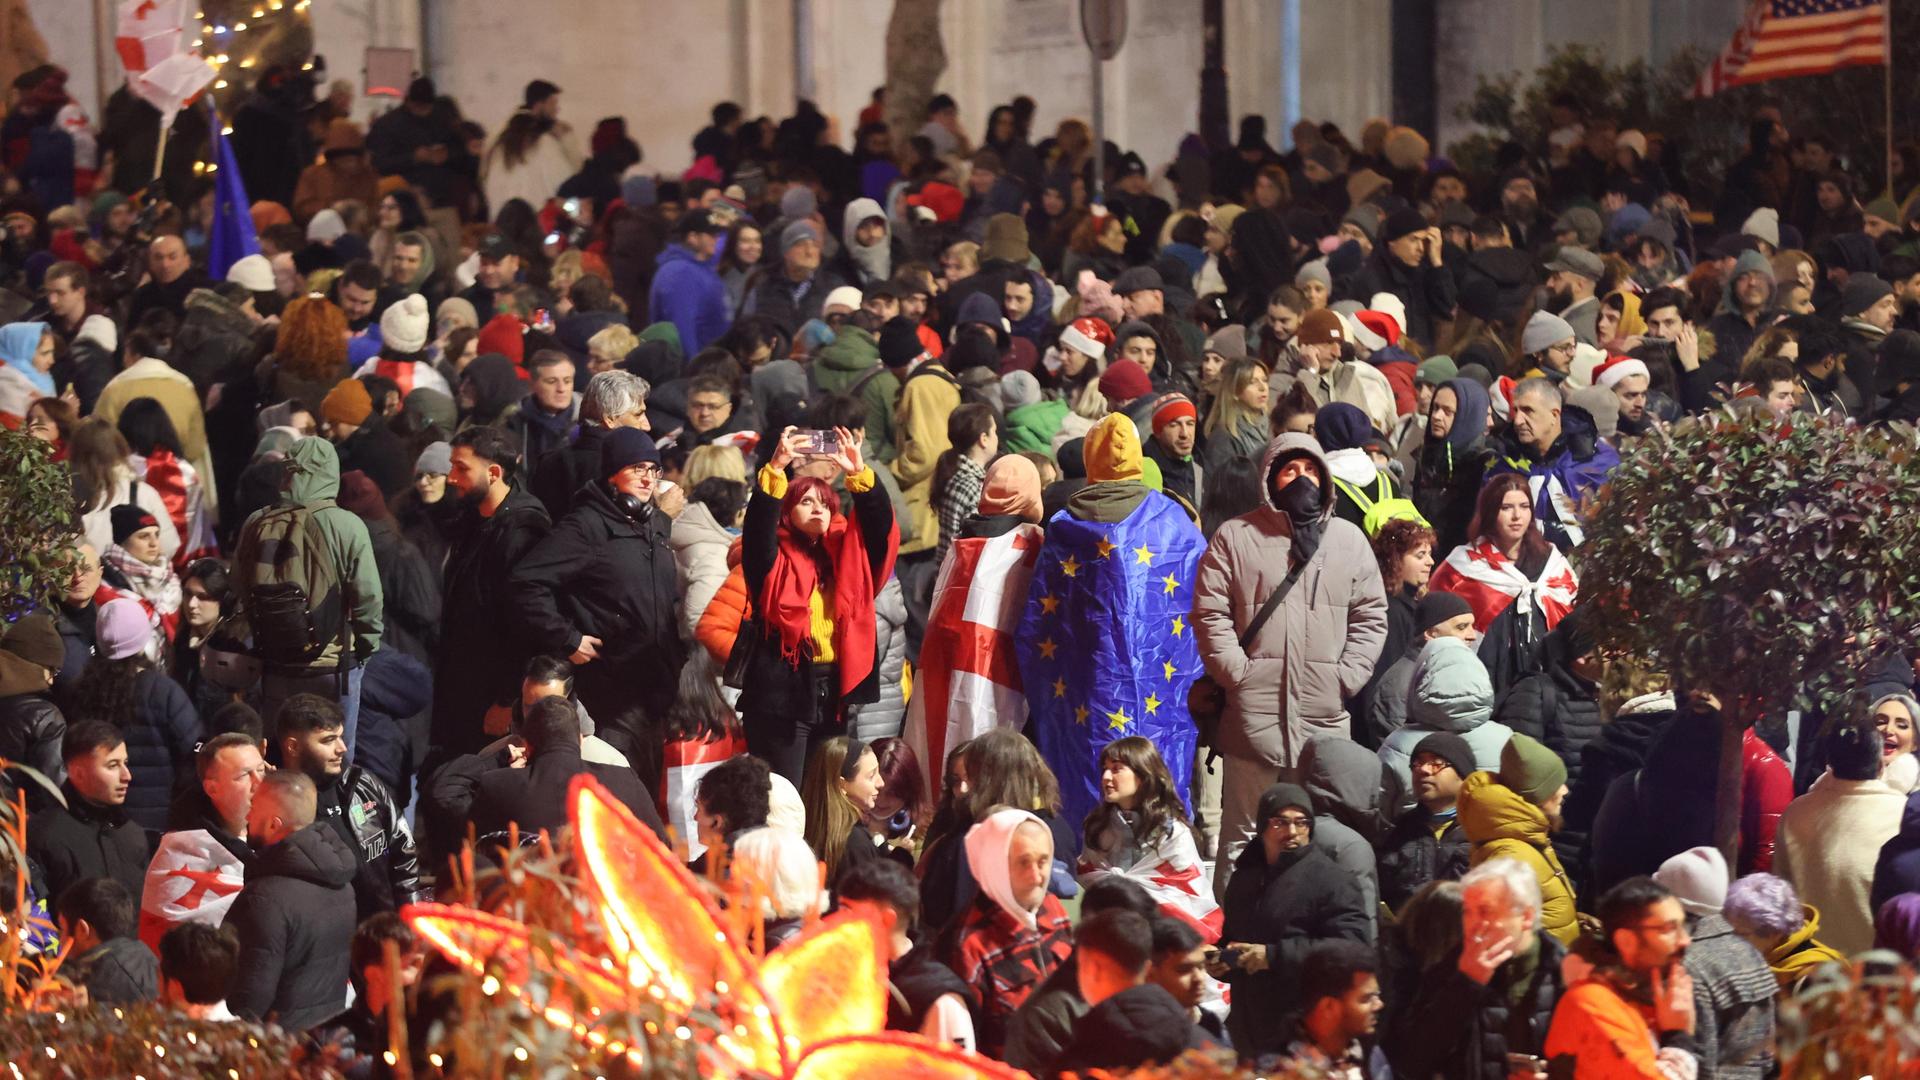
{"x": 725, "y": 614}
{"x": 1605, "y": 1035}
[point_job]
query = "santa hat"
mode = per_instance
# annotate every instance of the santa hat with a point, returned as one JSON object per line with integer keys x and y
{"x": 1503, "y": 398}
{"x": 1391, "y": 305}
{"x": 1090, "y": 336}
{"x": 1377, "y": 329}
{"x": 1617, "y": 368}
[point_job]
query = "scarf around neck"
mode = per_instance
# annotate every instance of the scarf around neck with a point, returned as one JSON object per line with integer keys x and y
{"x": 786, "y": 599}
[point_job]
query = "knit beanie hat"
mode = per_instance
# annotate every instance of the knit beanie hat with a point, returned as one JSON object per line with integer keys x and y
{"x": 1367, "y": 216}
{"x": 1327, "y": 156}
{"x": 1320, "y": 327}
{"x": 129, "y": 518}
{"x": 1006, "y": 238}
{"x": 1544, "y": 329}
{"x": 1281, "y": 797}
{"x": 627, "y": 446}
{"x": 1405, "y": 148}
{"x": 1012, "y": 487}
{"x": 1697, "y": 877}
{"x": 1340, "y": 426}
{"x": 1449, "y": 748}
{"x": 799, "y": 201}
{"x": 1088, "y": 335}
{"x": 1018, "y": 388}
{"x": 798, "y": 232}
{"x": 1315, "y": 270}
{"x": 1402, "y": 223}
{"x": 326, "y": 227}
{"x": 437, "y": 459}
{"x": 1763, "y": 224}
{"x": 1862, "y": 292}
{"x": 425, "y": 405}
{"x": 1123, "y": 381}
{"x": 1229, "y": 342}
{"x": 347, "y": 403}
{"x": 1534, "y": 772}
{"x": 900, "y": 342}
{"x": 1113, "y": 446}
{"x": 403, "y": 329}
{"x": 36, "y": 639}
{"x": 1437, "y": 369}
{"x": 360, "y": 496}
{"x": 252, "y": 273}
{"x": 1437, "y": 607}
{"x": 1170, "y": 407}
{"x": 121, "y": 628}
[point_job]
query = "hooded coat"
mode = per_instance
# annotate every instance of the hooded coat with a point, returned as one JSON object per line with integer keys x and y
{"x": 688, "y": 293}
{"x": 1448, "y": 472}
{"x": 1664, "y": 807}
{"x": 1499, "y": 821}
{"x": 999, "y": 949}
{"x": 858, "y": 265}
{"x": 295, "y": 921}
{"x": 1289, "y": 905}
{"x": 1350, "y": 801}
{"x": 1290, "y": 683}
{"x": 1450, "y": 691}
{"x": 315, "y": 484}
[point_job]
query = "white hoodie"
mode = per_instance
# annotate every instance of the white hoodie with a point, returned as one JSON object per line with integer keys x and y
{"x": 987, "y": 847}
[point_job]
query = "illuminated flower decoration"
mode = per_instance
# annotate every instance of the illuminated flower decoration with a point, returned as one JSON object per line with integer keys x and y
{"x": 814, "y": 1008}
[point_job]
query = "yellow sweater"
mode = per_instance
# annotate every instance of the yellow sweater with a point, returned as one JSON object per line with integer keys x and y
{"x": 774, "y": 483}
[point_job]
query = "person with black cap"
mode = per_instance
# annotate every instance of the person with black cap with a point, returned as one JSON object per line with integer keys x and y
{"x": 601, "y": 590}
{"x": 1438, "y": 614}
{"x": 687, "y": 290}
{"x": 1868, "y": 309}
{"x": 1142, "y": 210}
{"x": 1286, "y": 896}
{"x": 1425, "y": 843}
{"x": 534, "y": 154}
{"x": 420, "y": 141}
{"x": 1406, "y": 262}
{"x": 31, "y": 726}
{"x": 499, "y": 270}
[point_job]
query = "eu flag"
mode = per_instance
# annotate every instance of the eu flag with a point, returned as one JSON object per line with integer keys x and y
{"x": 1105, "y": 647}
{"x": 231, "y": 236}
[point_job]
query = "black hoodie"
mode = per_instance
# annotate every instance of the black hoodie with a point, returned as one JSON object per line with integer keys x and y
{"x": 1139, "y": 1026}
{"x": 295, "y": 919}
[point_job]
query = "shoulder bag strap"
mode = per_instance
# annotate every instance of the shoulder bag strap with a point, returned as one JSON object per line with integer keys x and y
{"x": 1272, "y": 605}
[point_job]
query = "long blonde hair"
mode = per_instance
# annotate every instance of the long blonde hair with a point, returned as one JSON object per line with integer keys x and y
{"x": 706, "y": 462}
{"x": 831, "y": 816}
{"x": 1229, "y": 413}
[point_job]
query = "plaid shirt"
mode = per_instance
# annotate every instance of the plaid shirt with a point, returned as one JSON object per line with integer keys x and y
{"x": 1002, "y": 961}
{"x": 959, "y": 502}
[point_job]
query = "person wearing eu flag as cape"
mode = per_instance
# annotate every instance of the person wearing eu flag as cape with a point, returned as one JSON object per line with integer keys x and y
{"x": 1105, "y": 646}
{"x": 1286, "y": 680}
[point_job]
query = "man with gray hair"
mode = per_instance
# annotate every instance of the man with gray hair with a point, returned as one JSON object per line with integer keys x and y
{"x": 1560, "y": 451}
{"x": 1483, "y": 1012}
{"x": 614, "y": 399}
{"x": 295, "y": 917}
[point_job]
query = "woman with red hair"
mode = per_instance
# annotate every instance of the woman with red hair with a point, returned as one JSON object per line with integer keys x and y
{"x": 811, "y": 648}
{"x": 1517, "y": 583}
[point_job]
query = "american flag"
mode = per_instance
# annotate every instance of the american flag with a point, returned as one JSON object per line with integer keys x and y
{"x": 1783, "y": 38}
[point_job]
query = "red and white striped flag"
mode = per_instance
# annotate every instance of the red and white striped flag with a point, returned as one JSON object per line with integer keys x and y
{"x": 1490, "y": 582}
{"x": 968, "y": 681}
{"x": 1780, "y": 39}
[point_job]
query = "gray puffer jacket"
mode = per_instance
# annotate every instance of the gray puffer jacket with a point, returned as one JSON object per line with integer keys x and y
{"x": 1349, "y": 788}
{"x": 882, "y": 719}
{"x": 1450, "y": 690}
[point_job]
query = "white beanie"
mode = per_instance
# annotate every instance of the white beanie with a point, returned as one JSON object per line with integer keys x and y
{"x": 1763, "y": 224}
{"x": 1392, "y": 305}
{"x": 252, "y": 273}
{"x": 326, "y": 227}
{"x": 845, "y": 296}
{"x": 1587, "y": 359}
{"x": 1697, "y": 877}
{"x": 403, "y": 328}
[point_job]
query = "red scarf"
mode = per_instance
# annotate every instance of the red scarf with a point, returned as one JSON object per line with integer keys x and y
{"x": 165, "y": 477}
{"x": 786, "y": 602}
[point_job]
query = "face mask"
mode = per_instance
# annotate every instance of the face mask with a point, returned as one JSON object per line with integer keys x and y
{"x": 1300, "y": 500}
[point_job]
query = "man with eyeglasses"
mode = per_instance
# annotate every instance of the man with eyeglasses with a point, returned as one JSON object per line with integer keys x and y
{"x": 1632, "y": 1014}
{"x": 1286, "y": 896}
{"x": 601, "y": 590}
{"x": 1549, "y": 343}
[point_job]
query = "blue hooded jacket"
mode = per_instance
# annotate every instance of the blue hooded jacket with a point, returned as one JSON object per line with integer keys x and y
{"x": 689, "y": 294}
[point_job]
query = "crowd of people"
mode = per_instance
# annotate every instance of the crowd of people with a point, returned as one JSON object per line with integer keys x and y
{"x": 1165, "y": 610}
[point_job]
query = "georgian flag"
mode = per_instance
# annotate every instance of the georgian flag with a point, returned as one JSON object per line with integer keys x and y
{"x": 1172, "y": 874}
{"x": 686, "y": 761}
{"x": 969, "y": 681}
{"x": 192, "y": 878}
{"x": 1489, "y": 582}
{"x": 149, "y": 31}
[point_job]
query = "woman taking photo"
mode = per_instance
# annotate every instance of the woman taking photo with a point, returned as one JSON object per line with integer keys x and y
{"x": 811, "y": 649}
{"x": 1453, "y": 458}
{"x": 843, "y": 786}
{"x": 1140, "y": 832}
{"x": 1236, "y": 425}
{"x": 1519, "y": 586}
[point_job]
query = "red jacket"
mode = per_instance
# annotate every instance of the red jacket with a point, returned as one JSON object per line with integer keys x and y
{"x": 1766, "y": 787}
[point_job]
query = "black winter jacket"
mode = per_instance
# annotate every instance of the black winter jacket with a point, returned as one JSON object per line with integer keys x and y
{"x": 364, "y": 813}
{"x": 295, "y": 919}
{"x": 1410, "y": 856}
{"x": 162, "y": 734}
{"x": 85, "y": 840}
{"x": 561, "y": 473}
{"x": 1461, "y": 1030}
{"x": 1289, "y": 906}
{"x": 482, "y": 646}
{"x": 31, "y": 728}
{"x": 410, "y": 591}
{"x": 395, "y": 690}
{"x": 1136, "y": 1027}
{"x": 122, "y": 971}
{"x": 479, "y": 789}
{"x": 776, "y": 692}
{"x": 1429, "y": 292}
{"x": 1661, "y": 809}
{"x": 375, "y": 450}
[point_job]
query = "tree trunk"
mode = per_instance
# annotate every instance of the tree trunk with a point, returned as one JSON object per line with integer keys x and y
{"x": 1726, "y": 816}
{"x": 916, "y": 58}
{"x": 21, "y": 47}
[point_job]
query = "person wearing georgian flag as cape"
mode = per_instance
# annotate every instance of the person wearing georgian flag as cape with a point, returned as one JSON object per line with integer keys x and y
{"x": 1518, "y": 585}
{"x": 1141, "y": 832}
